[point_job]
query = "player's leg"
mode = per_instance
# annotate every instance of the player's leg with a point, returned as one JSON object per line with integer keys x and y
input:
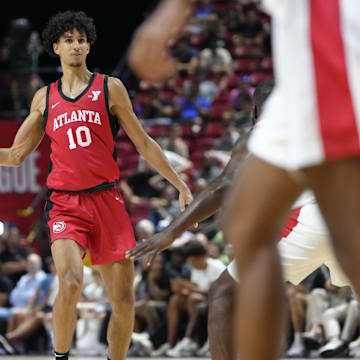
{"x": 118, "y": 278}
{"x": 67, "y": 255}
{"x": 336, "y": 186}
{"x": 220, "y": 317}
{"x": 256, "y": 211}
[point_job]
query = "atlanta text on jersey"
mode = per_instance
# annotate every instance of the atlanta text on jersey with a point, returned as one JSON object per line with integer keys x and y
{"x": 77, "y": 115}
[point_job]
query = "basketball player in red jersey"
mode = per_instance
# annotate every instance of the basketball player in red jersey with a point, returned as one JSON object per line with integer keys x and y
{"x": 81, "y": 113}
{"x": 310, "y": 138}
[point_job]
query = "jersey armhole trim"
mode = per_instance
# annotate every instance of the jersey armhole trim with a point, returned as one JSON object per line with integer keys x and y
{"x": 46, "y": 112}
{"x": 114, "y": 123}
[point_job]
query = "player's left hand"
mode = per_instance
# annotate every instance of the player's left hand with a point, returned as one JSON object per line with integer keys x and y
{"x": 151, "y": 247}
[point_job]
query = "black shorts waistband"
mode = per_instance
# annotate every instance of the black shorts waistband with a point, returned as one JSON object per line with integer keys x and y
{"x": 97, "y": 188}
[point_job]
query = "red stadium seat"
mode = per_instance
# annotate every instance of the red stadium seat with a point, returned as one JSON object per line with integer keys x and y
{"x": 214, "y": 129}
{"x": 158, "y": 130}
{"x": 124, "y": 147}
{"x": 216, "y": 111}
{"x": 247, "y": 65}
{"x": 202, "y": 144}
{"x": 198, "y": 159}
{"x": 266, "y": 64}
{"x": 258, "y": 77}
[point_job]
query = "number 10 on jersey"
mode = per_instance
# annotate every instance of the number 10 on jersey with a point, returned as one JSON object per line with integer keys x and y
{"x": 82, "y": 135}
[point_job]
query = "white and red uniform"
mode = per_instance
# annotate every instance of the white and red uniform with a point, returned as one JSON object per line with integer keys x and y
{"x": 83, "y": 202}
{"x": 305, "y": 245}
{"x": 313, "y": 114}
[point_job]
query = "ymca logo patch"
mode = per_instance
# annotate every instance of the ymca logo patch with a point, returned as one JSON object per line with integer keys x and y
{"x": 59, "y": 227}
{"x": 95, "y": 95}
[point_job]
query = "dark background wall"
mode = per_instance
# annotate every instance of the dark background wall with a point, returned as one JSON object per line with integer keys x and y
{"x": 115, "y": 22}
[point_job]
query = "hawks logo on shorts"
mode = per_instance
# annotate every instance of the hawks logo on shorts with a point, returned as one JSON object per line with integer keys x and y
{"x": 59, "y": 227}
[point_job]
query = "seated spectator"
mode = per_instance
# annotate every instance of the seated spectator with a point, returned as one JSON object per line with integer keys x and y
{"x": 242, "y": 46}
{"x": 186, "y": 57}
{"x": 313, "y": 305}
{"x": 208, "y": 87}
{"x": 354, "y": 346}
{"x": 175, "y": 143}
{"x": 214, "y": 250}
{"x": 24, "y": 290}
{"x": 150, "y": 307}
{"x": 298, "y": 299}
{"x": 178, "y": 162}
{"x": 25, "y": 322}
{"x": 5, "y": 289}
{"x": 204, "y": 10}
{"x": 144, "y": 229}
{"x": 156, "y": 105}
{"x": 251, "y": 26}
{"x": 227, "y": 140}
{"x": 188, "y": 295}
{"x": 203, "y": 16}
{"x": 6, "y": 286}
{"x": 192, "y": 105}
{"x": 339, "y": 323}
{"x": 200, "y": 185}
{"x": 139, "y": 182}
{"x": 241, "y": 93}
{"x": 216, "y": 59}
{"x": 14, "y": 255}
{"x": 242, "y": 117}
{"x": 165, "y": 210}
{"x": 92, "y": 309}
{"x": 177, "y": 266}
{"x": 211, "y": 169}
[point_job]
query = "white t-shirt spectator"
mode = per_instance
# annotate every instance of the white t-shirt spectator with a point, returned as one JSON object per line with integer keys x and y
{"x": 222, "y": 57}
{"x": 204, "y": 278}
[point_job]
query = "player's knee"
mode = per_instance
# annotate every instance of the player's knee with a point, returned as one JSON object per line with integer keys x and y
{"x": 123, "y": 301}
{"x": 71, "y": 285}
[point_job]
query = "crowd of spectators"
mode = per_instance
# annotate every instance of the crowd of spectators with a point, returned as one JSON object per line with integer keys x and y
{"x": 196, "y": 117}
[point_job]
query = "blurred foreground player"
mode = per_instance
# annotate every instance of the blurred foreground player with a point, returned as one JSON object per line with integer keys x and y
{"x": 81, "y": 113}
{"x": 304, "y": 243}
{"x": 309, "y": 139}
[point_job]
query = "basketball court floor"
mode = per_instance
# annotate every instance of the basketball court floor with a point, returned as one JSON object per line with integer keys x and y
{"x": 93, "y": 358}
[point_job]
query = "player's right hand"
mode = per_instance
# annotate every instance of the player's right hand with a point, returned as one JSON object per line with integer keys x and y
{"x": 149, "y": 55}
{"x": 150, "y": 50}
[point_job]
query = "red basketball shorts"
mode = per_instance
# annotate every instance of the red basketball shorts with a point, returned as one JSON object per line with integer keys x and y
{"x": 96, "y": 221}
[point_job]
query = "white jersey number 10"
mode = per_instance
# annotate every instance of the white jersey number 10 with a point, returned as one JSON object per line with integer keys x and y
{"x": 81, "y": 140}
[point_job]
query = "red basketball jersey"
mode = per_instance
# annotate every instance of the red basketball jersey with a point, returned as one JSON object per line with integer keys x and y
{"x": 82, "y": 133}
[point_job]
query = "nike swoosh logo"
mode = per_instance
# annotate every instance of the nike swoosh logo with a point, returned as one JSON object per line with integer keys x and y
{"x": 54, "y": 105}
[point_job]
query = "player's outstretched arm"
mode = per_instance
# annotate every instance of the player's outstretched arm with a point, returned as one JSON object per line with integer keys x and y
{"x": 149, "y": 54}
{"x": 29, "y": 134}
{"x": 121, "y": 107}
{"x": 204, "y": 205}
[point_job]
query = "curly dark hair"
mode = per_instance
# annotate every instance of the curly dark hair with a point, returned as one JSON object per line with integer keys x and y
{"x": 67, "y": 21}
